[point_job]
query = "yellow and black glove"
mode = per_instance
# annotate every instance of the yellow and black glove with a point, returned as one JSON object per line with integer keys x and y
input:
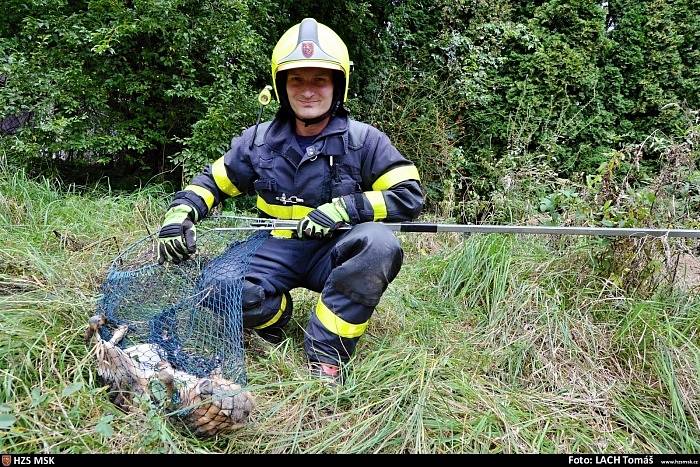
{"x": 324, "y": 220}
{"x": 177, "y": 238}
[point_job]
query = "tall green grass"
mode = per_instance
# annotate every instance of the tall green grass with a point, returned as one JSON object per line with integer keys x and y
{"x": 482, "y": 344}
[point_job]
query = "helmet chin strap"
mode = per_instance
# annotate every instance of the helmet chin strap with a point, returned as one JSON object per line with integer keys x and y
{"x": 312, "y": 121}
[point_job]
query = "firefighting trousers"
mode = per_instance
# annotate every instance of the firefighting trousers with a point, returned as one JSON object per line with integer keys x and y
{"x": 351, "y": 271}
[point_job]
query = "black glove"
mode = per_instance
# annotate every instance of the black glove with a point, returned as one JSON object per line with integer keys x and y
{"x": 324, "y": 220}
{"x": 177, "y": 238}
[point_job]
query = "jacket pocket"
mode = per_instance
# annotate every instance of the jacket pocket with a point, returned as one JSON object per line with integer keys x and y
{"x": 344, "y": 188}
{"x": 347, "y": 172}
{"x": 266, "y": 161}
{"x": 345, "y": 180}
{"x": 265, "y": 184}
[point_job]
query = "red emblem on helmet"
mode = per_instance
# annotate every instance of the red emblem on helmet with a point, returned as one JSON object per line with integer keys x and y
{"x": 307, "y": 48}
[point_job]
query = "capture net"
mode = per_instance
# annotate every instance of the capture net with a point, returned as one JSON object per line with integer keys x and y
{"x": 177, "y": 329}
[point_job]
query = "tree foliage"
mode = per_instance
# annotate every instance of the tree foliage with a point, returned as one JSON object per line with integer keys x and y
{"x": 463, "y": 87}
{"x": 111, "y": 81}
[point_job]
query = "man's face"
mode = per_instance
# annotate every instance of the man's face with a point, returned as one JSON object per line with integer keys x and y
{"x": 310, "y": 91}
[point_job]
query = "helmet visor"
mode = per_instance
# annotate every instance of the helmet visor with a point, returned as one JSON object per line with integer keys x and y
{"x": 306, "y": 63}
{"x": 309, "y": 54}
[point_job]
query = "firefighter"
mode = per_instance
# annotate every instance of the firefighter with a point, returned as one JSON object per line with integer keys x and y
{"x": 313, "y": 163}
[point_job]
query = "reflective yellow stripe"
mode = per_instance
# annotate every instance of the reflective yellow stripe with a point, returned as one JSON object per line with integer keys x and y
{"x": 294, "y": 211}
{"x": 394, "y": 176}
{"x": 203, "y": 193}
{"x": 218, "y": 170}
{"x": 376, "y": 199}
{"x": 278, "y": 233}
{"x": 336, "y": 324}
{"x": 277, "y": 316}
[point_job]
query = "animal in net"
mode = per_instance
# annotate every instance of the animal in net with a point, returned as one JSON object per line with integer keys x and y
{"x": 173, "y": 333}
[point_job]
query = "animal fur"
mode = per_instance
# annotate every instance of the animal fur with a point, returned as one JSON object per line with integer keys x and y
{"x": 208, "y": 405}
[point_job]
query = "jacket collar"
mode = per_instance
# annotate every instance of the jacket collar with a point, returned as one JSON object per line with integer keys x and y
{"x": 334, "y": 138}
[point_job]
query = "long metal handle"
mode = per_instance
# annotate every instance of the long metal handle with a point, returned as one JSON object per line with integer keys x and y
{"x": 548, "y": 230}
{"x": 272, "y": 224}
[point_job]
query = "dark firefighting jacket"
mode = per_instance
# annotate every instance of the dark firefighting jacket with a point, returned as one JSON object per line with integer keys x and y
{"x": 347, "y": 159}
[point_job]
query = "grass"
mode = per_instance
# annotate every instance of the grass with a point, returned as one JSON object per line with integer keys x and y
{"x": 493, "y": 344}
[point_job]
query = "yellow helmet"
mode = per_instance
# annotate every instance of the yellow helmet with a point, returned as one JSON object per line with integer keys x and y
{"x": 310, "y": 44}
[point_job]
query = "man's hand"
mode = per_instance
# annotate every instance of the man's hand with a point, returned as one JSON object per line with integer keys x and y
{"x": 322, "y": 221}
{"x": 177, "y": 239}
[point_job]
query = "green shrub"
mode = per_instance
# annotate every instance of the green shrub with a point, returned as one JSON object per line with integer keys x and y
{"x": 126, "y": 82}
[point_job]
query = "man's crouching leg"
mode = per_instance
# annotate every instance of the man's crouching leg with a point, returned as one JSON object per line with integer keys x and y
{"x": 364, "y": 261}
{"x": 267, "y": 315}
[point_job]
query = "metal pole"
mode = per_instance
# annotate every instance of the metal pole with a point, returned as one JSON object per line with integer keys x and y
{"x": 272, "y": 224}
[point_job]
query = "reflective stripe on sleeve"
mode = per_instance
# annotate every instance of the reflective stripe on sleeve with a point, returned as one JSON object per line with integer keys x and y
{"x": 218, "y": 171}
{"x": 376, "y": 200}
{"x": 336, "y": 324}
{"x": 395, "y": 176}
{"x": 203, "y": 193}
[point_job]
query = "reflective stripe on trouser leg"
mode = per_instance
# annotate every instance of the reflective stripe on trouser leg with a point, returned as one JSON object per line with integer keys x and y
{"x": 281, "y": 316}
{"x": 273, "y": 312}
{"x": 335, "y": 326}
